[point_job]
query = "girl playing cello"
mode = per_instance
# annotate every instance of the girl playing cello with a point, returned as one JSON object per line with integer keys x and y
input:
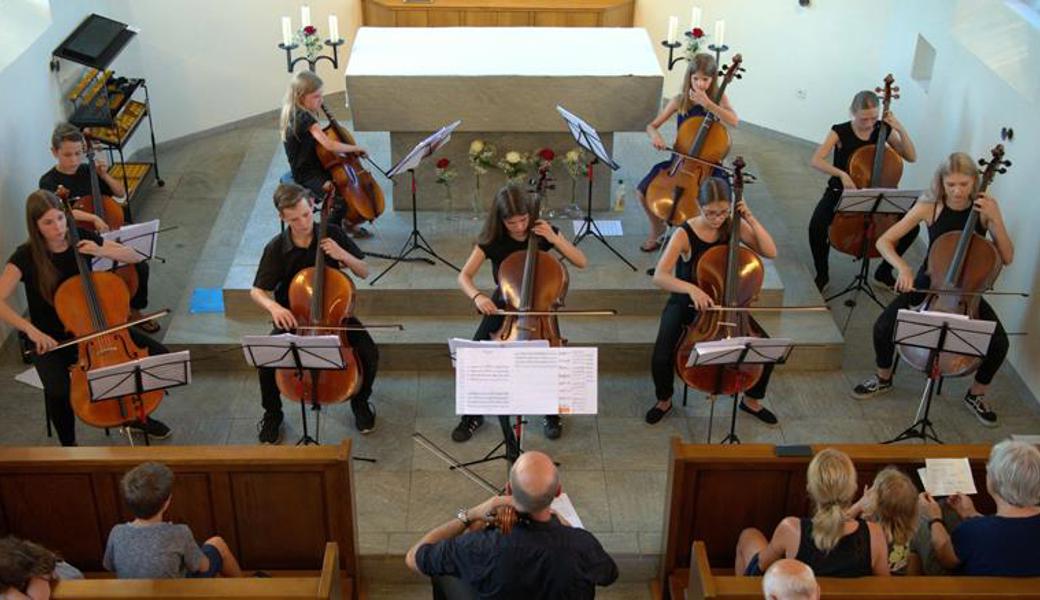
{"x": 699, "y": 86}
{"x": 506, "y": 230}
{"x": 42, "y": 264}
{"x": 301, "y": 134}
{"x": 843, "y": 140}
{"x": 684, "y": 249}
{"x": 946, "y": 208}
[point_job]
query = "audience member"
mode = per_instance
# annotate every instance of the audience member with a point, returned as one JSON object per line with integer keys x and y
{"x": 831, "y": 544}
{"x": 1004, "y": 544}
{"x": 148, "y": 547}
{"x": 27, "y": 569}
{"x": 542, "y": 557}
{"x": 892, "y": 503}
{"x": 790, "y": 579}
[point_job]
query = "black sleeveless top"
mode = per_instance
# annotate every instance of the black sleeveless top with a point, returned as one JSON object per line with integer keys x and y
{"x": 847, "y": 144}
{"x": 947, "y": 221}
{"x": 850, "y": 558}
{"x": 686, "y": 270}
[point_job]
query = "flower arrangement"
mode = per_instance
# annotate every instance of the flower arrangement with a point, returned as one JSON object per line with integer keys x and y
{"x": 445, "y": 175}
{"x": 694, "y": 38}
{"x": 481, "y": 156}
{"x": 309, "y": 39}
{"x": 543, "y": 158}
{"x": 574, "y": 162}
{"x": 514, "y": 165}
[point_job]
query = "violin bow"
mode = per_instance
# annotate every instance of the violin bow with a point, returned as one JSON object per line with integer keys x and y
{"x": 97, "y": 334}
{"x": 596, "y": 312}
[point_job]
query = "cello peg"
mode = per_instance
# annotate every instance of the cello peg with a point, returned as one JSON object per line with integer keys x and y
{"x": 1007, "y": 163}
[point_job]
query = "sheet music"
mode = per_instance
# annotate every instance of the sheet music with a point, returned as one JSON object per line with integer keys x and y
{"x": 424, "y": 149}
{"x": 727, "y": 351}
{"x": 563, "y": 507}
{"x": 609, "y": 227}
{"x": 525, "y": 381}
{"x": 965, "y": 336}
{"x": 316, "y": 351}
{"x": 141, "y": 237}
{"x": 947, "y": 476}
{"x": 455, "y": 343}
{"x": 158, "y": 372}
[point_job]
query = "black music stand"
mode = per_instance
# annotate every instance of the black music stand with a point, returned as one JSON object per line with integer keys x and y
{"x": 874, "y": 201}
{"x": 136, "y": 377}
{"x": 314, "y": 353}
{"x": 587, "y": 138}
{"x": 731, "y": 354}
{"x": 415, "y": 240}
{"x": 938, "y": 333}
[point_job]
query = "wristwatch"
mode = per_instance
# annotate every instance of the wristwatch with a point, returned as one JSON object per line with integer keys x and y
{"x": 463, "y": 515}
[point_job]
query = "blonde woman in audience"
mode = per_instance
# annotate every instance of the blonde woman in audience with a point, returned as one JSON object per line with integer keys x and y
{"x": 789, "y": 579}
{"x": 892, "y": 503}
{"x": 829, "y": 542}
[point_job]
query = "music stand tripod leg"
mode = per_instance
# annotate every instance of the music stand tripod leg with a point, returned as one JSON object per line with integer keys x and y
{"x": 731, "y": 437}
{"x": 589, "y": 225}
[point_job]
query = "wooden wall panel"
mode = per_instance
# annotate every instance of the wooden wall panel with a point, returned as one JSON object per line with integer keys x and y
{"x": 445, "y": 18}
{"x": 290, "y": 509}
{"x": 411, "y": 18}
{"x": 480, "y": 18}
{"x": 566, "y": 19}
{"x": 57, "y": 511}
{"x": 514, "y": 18}
{"x": 498, "y": 13}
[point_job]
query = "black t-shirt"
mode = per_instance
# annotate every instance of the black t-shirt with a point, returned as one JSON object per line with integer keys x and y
{"x": 41, "y": 312}
{"x": 78, "y": 183}
{"x": 848, "y": 143}
{"x": 282, "y": 260}
{"x": 301, "y": 149}
{"x": 536, "y": 560}
{"x": 498, "y": 250}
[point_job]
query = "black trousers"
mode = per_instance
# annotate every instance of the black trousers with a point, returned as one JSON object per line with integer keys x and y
{"x": 53, "y": 369}
{"x": 819, "y": 240}
{"x": 885, "y": 346}
{"x": 140, "y": 297}
{"x": 675, "y": 316}
{"x": 339, "y": 206}
{"x": 368, "y": 356}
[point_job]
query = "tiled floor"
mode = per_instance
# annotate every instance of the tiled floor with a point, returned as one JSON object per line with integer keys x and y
{"x": 612, "y": 465}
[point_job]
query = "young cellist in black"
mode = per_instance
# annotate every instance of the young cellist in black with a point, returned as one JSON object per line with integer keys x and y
{"x": 676, "y": 273}
{"x": 42, "y": 263}
{"x": 287, "y": 253}
{"x": 506, "y": 230}
{"x": 68, "y": 146}
{"x": 842, "y": 141}
{"x": 946, "y": 207}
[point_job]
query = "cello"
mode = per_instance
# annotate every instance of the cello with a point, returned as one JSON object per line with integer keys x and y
{"x": 732, "y": 275}
{"x": 962, "y": 265}
{"x": 322, "y": 299}
{"x": 359, "y": 190}
{"x": 672, "y": 194}
{"x": 533, "y": 281}
{"x": 89, "y": 303}
{"x": 871, "y": 166}
{"x": 105, "y": 207}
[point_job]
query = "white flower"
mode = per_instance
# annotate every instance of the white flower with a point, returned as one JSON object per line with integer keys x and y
{"x": 476, "y": 146}
{"x": 572, "y": 156}
{"x": 512, "y": 157}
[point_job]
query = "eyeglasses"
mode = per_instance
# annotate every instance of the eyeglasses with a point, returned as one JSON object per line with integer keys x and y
{"x": 715, "y": 214}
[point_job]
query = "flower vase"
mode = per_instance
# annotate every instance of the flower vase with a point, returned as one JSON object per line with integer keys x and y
{"x": 573, "y": 210}
{"x": 475, "y": 203}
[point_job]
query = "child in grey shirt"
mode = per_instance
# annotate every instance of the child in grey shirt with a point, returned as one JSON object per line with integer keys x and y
{"x": 148, "y": 547}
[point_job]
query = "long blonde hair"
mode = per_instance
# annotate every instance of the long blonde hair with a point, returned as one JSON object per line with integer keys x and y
{"x": 702, "y": 64}
{"x": 832, "y": 485}
{"x": 895, "y": 498}
{"x": 959, "y": 163}
{"x": 302, "y": 83}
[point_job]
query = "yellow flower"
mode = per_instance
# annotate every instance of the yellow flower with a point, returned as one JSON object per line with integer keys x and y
{"x": 572, "y": 156}
{"x": 476, "y": 146}
{"x": 512, "y": 157}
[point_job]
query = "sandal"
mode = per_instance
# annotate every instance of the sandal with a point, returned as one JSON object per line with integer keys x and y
{"x": 650, "y": 246}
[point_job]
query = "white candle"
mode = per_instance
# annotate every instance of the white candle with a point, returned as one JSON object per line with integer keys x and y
{"x": 286, "y": 31}
{"x": 333, "y": 28}
{"x": 695, "y": 17}
{"x": 305, "y": 15}
{"x": 673, "y": 29}
{"x": 720, "y": 30}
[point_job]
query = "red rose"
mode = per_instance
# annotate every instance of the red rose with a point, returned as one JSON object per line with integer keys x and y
{"x": 310, "y": 30}
{"x": 546, "y": 154}
{"x": 697, "y": 32}
{"x": 443, "y": 163}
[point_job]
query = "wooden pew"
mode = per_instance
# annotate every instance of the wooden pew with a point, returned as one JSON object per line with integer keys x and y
{"x": 699, "y": 583}
{"x": 714, "y": 492}
{"x": 324, "y": 585}
{"x": 276, "y": 506}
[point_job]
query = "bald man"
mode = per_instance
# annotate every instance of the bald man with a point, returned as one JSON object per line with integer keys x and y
{"x": 543, "y": 557}
{"x": 790, "y": 579}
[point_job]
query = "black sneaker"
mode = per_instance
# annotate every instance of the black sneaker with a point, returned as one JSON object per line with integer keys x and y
{"x": 364, "y": 416}
{"x": 871, "y": 386}
{"x": 982, "y": 412}
{"x": 270, "y": 428}
{"x": 464, "y": 430}
{"x": 821, "y": 283}
{"x": 552, "y": 427}
{"x": 154, "y": 428}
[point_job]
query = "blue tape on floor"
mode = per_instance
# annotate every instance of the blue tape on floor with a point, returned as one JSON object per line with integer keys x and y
{"x": 207, "y": 300}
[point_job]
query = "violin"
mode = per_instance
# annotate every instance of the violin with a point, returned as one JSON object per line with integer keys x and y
{"x": 533, "y": 281}
{"x": 363, "y": 196}
{"x": 871, "y": 166}
{"x": 960, "y": 261}
{"x": 322, "y": 299}
{"x": 672, "y": 194}
{"x": 732, "y": 275}
{"x": 93, "y": 302}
